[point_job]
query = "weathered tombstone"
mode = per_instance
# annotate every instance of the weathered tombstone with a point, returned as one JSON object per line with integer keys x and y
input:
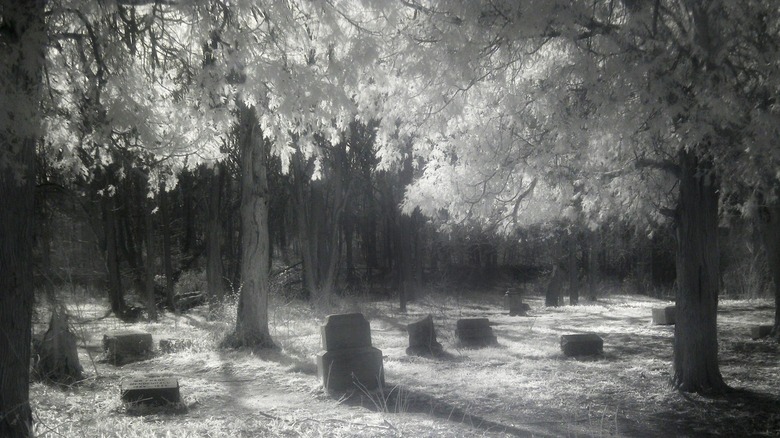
{"x": 664, "y": 315}
{"x": 582, "y": 344}
{"x": 422, "y": 338}
{"x": 174, "y": 345}
{"x": 125, "y": 346}
{"x": 475, "y": 332}
{"x": 349, "y": 361}
{"x": 151, "y": 391}
{"x": 760, "y": 331}
{"x": 57, "y": 356}
{"x": 513, "y": 300}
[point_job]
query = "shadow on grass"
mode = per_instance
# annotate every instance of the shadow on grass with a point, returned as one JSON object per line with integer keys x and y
{"x": 400, "y": 399}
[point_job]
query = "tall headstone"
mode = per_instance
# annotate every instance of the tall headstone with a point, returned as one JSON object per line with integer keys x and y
{"x": 582, "y": 344}
{"x": 475, "y": 332}
{"x": 664, "y": 315}
{"x": 125, "y": 346}
{"x": 348, "y": 360}
{"x": 422, "y": 338}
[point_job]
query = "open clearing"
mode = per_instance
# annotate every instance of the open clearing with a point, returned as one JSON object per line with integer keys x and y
{"x": 522, "y": 387}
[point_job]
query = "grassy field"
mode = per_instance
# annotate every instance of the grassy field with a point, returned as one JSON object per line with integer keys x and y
{"x": 522, "y": 387}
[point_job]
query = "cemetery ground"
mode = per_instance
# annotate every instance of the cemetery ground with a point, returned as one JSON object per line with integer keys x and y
{"x": 524, "y": 386}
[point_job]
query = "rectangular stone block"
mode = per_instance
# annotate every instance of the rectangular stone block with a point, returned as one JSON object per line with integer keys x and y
{"x": 760, "y": 331}
{"x": 475, "y": 332}
{"x": 174, "y": 345}
{"x": 346, "y": 330}
{"x": 153, "y": 391}
{"x": 127, "y": 346}
{"x": 664, "y": 315}
{"x": 582, "y": 344}
{"x": 340, "y": 370}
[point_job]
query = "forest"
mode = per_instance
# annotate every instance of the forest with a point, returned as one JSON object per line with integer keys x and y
{"x": 230, "y": 173}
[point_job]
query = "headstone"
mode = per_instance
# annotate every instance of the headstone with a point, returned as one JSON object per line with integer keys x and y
{"x": 125, "y": 346}
{"x": 349, "y": 361}
{"x": 513, "y": 300}
{"x": 422, "y": 338}
{"x": 760, "y": 331}
{"x": 664, "y": 315}
{"x": 475, "y": 332}
{"x": 582, "y": 344}
{"x": 57, "y": 355}
{"x": 174, "y": 345}
{"x": 151, "y": 391}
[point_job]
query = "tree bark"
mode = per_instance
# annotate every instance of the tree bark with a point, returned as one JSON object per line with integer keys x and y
{"x": 214, "y": 274}
{"x": 151, "y": 302}
{"x": 695, "y": 333}
{"x": 167, "y": 258}
{"x": 21, "y": 60}
{"x": 252, "y": 318}
{"x": 770, "y": 229}
{"x": 574, "y": 283}
{"x": 115, "y": 291}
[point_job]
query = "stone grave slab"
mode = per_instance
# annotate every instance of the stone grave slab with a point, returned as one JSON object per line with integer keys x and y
{"x": 664, "y": 315}
{"x": 349, "y": 361}
{"x": 475, "y": 332}
{"x": 422, "y": 338}
{"x": 582, "y": 344}
{"x": 173, "y": 345}
{"x": 151, "y": 391}
{"x": 125, "y": 346}
{"x": 760, "y": 331}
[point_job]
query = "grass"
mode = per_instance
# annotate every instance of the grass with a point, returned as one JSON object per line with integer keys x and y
{"x": 522, "y": 387}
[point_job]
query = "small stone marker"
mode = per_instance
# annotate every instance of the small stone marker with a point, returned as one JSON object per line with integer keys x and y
{"x": 422, "y": 338}
{"x": 513, "y": 300}
{"x": 760, "y": 331}
{"x": 582, "y": 344}
{"x": 349, "y": 361}
{"x": 664, "y": 315}
{"x": 125, "y": 346}
{"x": 174, "y": 345}
{"x": 475, "y": 332}
{"x": 152, "y": 391}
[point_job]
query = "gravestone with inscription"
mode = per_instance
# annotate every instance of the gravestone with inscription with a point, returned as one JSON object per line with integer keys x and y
{"x": 349, "y": 361}
{"x": 582, "y": 344}
{"x": 422, "y": 338}
{"x": 664, "y": 315}
{"x": 125, "y": 346}
{"x": 150, "y": 391}
{"x": 475, "y": 332}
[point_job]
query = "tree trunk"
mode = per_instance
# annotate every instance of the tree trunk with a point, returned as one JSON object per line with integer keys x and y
{"x": 770, "y": 229}
{"x": 115, "y": 291}
{"x": 21, "y": 60}
{"x": 695, "y": 332}
{"x": 574, "y": 279}
{"x": 151, "y": 302}
{"x": 165, "y": 217}
{"x": 213, "y": 241}
{"x": 252, "y": 318}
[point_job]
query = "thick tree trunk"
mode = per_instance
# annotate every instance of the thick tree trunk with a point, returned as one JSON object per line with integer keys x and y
{"x": 214, "y": 274}
{"x": 21, "y": 60}
{"x": 252, "y": 319}
{"x": 770, "y": 229}
{"x": 574, "y": 279}
{"x": 167, "y": 257}
{"x": 695, "y": 332}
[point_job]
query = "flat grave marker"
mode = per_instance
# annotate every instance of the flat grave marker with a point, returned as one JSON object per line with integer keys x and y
{"x": 125, "y": 346}
{"x": 664, "y": 315}
{"x": 582, "y": 344}
{"x": 150, "y": 391}
{"x": 760, "y": 331}
{"x": 475, "y": 332}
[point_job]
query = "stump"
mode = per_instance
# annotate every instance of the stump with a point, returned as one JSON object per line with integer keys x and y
{"x": 664, "y": 315}
{"x": 125, "y": 346}
{"x": 57, "y": 355}
{"x": 582, "y": 344}
{"x": 422, "y": 338}
{"x": 760, "y": 331}
{"x": 475, "y": 332}
{"x": 349, "y": 361}
{"x": 151, "y": 391}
